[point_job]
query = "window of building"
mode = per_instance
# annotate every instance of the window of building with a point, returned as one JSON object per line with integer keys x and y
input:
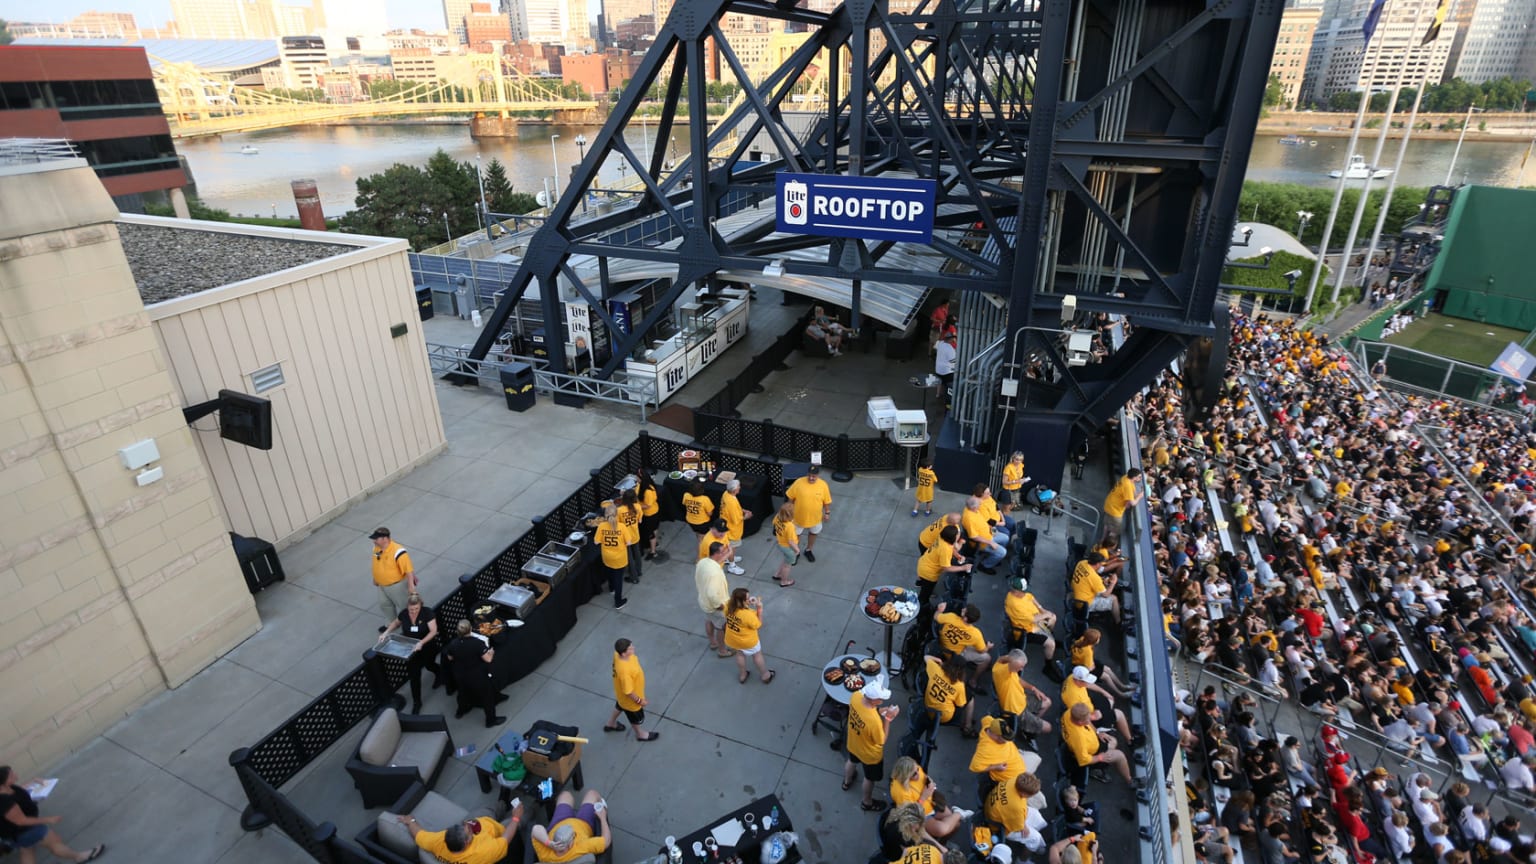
{"x": 111, "y": 157}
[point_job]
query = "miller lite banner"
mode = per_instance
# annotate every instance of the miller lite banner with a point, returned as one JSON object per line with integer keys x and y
{"x": 864, "y": 208}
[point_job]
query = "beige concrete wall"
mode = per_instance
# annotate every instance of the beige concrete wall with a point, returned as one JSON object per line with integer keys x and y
{"x": 358, "y": 407}
{"x": 112, "y": 591}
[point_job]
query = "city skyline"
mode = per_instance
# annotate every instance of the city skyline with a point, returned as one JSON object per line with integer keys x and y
{"x": 402, "y": 14}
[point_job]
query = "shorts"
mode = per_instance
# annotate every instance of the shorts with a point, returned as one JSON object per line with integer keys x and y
{"x": 789, "y": 555}
{"x": 587, "y": 814}
{"x": 1029, "y": 722}
{"x": 971, "y": 655}
{"x": 1101, "y": 604}
{"x": 1036, "y": 638}
{"x": 30, "y": 836}
{"x": 716, "y": 618}
{"x": 748, "y": 652}
{"x": 873, "y": 773}
{"x": 700, "y": 529}
{"x": 814, "y": 529}
{"x": 648, "y": 527}
{"x": 1013, "y": 497}
{"x": 635, "y": 717}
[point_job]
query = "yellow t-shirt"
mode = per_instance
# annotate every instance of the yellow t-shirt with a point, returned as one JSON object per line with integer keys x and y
{"x": 735, "y": 520}
{"x": 1083, "y": 656}
{"x": 784, "y": 533}
{"x": 629, "y": 520}
{"x": 988, "y": 509}
{"x": 708, "y": 539}
{"x": 956, "y": 634}
{"x": 487, "y": 847}
{"x": 628, "y": 678}
{"x": 1528, "y": 708}
{"x": 649, "y": 506}
{"x": 1073, "y": 693}
{"x": 697, "y": 509}
{"x": 923, "y": 853}
{"x": 741, "y": 628}
{"x": 866, "y": 731}
{"x": 810, "y": 499}
{"x": 933, "y": 562}
{"x": 943, "y": 695}
{"x": 930, "y": 534}
{"x": 1086, "y": 582}
{"x": 1006, "y": 806}
{"x": 1021, "y": 610}
{"x": 1085, "y": 846}
{"x": 926, "y": 480}
{"x": 911, "y": 792}
{"x": 390, "y": 564}
{"x": 1013, "y": 476}
{"x": 989, "y": 752}
{"x": 611, "y": 541}
{"x": 1120, "y": 497}
{"x": 973, "y": 524}
{"x": 1009, "y": 689}
{"x": 1083, "y": 741}
{"x": 585, "y": 843}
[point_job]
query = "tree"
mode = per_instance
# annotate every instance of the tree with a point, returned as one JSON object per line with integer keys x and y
{"x": 1274, "y": 92}
{"x": 499, "y": 195}
{"x": 1347, "y": 101}
{"x": 401, "y": 202}
{"x": 5, "y": 33}
{"x": 458, "y": 188}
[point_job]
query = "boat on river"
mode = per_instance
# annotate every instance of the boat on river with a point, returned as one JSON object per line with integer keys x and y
{"x": 1358, "y": 170}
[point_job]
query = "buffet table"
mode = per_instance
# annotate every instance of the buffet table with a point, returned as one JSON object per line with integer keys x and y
{"x": 520, "y": 650}
{"x": 738, "y": 834}
{"x": 756, "y": 495}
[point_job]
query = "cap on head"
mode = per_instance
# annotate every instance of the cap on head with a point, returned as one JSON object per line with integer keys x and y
{"x": 876, "y": 691}
{"x": 721, "y": 526}
{"x": 1018, "y": 583}
{"x": 378, "y": 532}
{"x": 814, "y": 469}
{"x": 1083, "y": 675}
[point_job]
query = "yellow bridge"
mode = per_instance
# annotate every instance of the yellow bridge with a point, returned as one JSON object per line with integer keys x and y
{"x": 197, "y": 104}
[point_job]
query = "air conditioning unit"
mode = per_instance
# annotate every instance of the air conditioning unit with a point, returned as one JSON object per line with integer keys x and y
{"x": 1079, "y": 347}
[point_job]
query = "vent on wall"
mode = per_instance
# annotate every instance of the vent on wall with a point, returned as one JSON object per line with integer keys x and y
{"x": 265, "y": 379}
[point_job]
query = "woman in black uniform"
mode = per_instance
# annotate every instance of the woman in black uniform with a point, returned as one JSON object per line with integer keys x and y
{"x": 418, "y": 622}
{"x": 23, "y": 828}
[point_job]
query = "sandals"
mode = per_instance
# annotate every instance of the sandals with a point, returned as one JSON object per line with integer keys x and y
{"x": 724, "y": 652}
{"x": 617, "y": 727}
{"x": 847, "y": 784}
{"x": 649, "y": 738}
{"x": 871, "y": 806}
{"x": 742, "y": 678}
{"x": 786, "y": 583}
{"x": 96, "y": 853}
{"x": 772, "y": 674}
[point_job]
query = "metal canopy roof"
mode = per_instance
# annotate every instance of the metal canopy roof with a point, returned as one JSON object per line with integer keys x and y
{"x": 208, "y": 55}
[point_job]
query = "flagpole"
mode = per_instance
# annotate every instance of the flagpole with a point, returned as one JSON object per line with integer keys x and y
{"x": 1521, "y": 179}
{"x": 1365, "y": 189}
{"x": 1338, "y": 192}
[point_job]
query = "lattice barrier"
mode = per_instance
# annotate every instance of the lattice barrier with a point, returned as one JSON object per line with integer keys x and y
{"x": 839, "y": 452}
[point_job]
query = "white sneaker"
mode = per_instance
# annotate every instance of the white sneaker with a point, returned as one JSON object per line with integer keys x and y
{"x": 963, "y": 813}
{"x": 734, "y": 570}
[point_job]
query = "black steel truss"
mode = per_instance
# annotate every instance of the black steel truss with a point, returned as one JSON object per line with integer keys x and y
{"x": 1097, "y": 146}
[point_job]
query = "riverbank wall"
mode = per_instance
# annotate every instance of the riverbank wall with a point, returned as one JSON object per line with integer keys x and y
{"x": 1509, "y": 127}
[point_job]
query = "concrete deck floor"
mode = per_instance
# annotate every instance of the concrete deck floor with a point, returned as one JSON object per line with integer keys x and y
{"x": 157, "y": 786}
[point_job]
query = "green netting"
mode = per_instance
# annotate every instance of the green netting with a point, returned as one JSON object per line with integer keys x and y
{"x": 1483, "y": 265}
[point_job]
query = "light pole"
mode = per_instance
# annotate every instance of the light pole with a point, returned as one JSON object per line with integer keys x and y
{"x": 1460, "y": 138}
{"x": 1302, "y": 218}
{"x": 446, "y": 229}
{"x": 581, "y": 148}
{"x": 485, "y": 212}
{"x": 556, "y": 156}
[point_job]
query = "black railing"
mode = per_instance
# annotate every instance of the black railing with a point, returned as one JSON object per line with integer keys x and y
{"x": 840, "y": 452}
{"x": 750, "y": 380}
{"x": 274, "y": 760}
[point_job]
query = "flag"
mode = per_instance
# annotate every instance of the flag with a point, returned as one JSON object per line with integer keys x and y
{"x": 1373, "y": 17}
{"x": 1434, "y": 25}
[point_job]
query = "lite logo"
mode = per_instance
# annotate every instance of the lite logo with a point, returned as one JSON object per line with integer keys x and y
{"x": 796, "y": 197}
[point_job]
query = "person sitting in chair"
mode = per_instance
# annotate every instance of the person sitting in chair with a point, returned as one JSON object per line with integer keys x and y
{"x": 824, "y": 328}
{"x": 482, "y": 840}
{"x": 573, "y": 833}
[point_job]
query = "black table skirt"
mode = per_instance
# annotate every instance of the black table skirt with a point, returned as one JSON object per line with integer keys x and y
{"x": 755, "y": 496}
{"x": 750, "y": 848}
{"x": 520, "y": 650}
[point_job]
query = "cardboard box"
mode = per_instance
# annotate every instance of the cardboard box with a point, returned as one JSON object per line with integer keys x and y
{"x": 559, "y": 769}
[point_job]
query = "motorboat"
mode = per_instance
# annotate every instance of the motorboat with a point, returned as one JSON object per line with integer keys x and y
{"x": 1358, "y": 170}
{"x": 1293, "y": 140}
{"x": 249, "y": 150}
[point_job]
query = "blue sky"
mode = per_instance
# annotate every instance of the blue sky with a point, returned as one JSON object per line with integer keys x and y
{"x": 425, "y": 14}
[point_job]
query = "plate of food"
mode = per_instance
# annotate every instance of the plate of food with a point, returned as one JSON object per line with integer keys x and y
{"x": 690, "y": 474}
{"x": 885, "y": 597}
{"x": 853, "y": 683}
{"x": 870, "y": 666}
{"x": 850, "y": 665}
{"x": 676, "y": 475}
{"x": 833, "y": 675}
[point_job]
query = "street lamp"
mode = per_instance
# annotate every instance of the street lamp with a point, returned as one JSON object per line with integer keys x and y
{"x": 581, "y": 147}
{"x": 556, "y": 157}
{"x": 446, "y": 229}
{"x": 1303, "y": 217}
{"x": 485, "y": 212}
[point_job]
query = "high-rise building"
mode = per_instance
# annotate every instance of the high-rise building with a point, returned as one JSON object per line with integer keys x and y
{"x": 1395, "y": 56}
{"x": 365, "y": 18}
{"x": 514, "y": 12}
{"x": 616, "y": 12}
{"x": 212, "y": 19}
{"x": 578, "y": 27}
{"x": 1292, "y": 48}
{"x": 482, "y": 27}
{"x": 1492, "y": 39}
{"x": 454, "y": 12}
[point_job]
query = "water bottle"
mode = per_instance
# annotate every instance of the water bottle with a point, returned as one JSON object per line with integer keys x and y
{"x": 674, "y": 854}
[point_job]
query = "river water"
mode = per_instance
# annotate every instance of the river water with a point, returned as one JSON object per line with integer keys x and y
{"x": 336, "y": 156}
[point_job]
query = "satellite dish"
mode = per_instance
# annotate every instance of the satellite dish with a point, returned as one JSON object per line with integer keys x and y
{"x": 542, "y": 198}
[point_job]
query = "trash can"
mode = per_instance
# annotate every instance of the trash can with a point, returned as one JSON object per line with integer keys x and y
{"x": 539, "y": 347}
{"x": 424, "y": 301}
{"x": 517, "y": 383}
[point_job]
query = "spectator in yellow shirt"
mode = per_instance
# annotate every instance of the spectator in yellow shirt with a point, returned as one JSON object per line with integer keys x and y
{"x": 926, "y": 481}
{"x": 573, "y": 833}
{"x": 938, "y": 560}
{"x": 650, "y": 515}
{"x": 788, "y": 542}
{"x": 1090, "y": 589}
{"x": 743, "y": 618}
{"x": 960, "y": 635}
{"x": 1008, "y": 806}
{"x": 869, "y": 724}
{"x": 813, "y": 507}
{"x": 1079, "y": 689}
{"x": 1020, "y": 711}
{"x": 1014, "y": 479}
{"x": 735, "y": 518}
{"x": 996, "y": 755}
{"x": 981, "y": 533}
{"x": 609, "y": 537}
{"x": 1123, "y": 498}
{"x": 1028, "y": 623}
{"x": 481, "y": 840}
{"x": 910, "y": 785}
{"x": 1082, "y": 655}
{"x": 698, "y": 510}
{"x": 931, "y": 533}
{"x": 720, "y": 532}
{"x": 628, "y": 692}
{"x": 1089, "y": 746}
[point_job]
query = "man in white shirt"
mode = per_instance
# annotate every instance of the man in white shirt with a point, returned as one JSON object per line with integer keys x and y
{"x": 944, "y": 365}
{"x": 1517, "y": 773}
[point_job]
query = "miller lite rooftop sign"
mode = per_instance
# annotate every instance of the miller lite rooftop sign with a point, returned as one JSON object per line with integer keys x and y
{"x": 865, "y": 208}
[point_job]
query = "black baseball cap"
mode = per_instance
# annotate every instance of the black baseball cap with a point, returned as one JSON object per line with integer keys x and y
{"x": 814, "y": 469}
{"x": 378, "y": 532}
